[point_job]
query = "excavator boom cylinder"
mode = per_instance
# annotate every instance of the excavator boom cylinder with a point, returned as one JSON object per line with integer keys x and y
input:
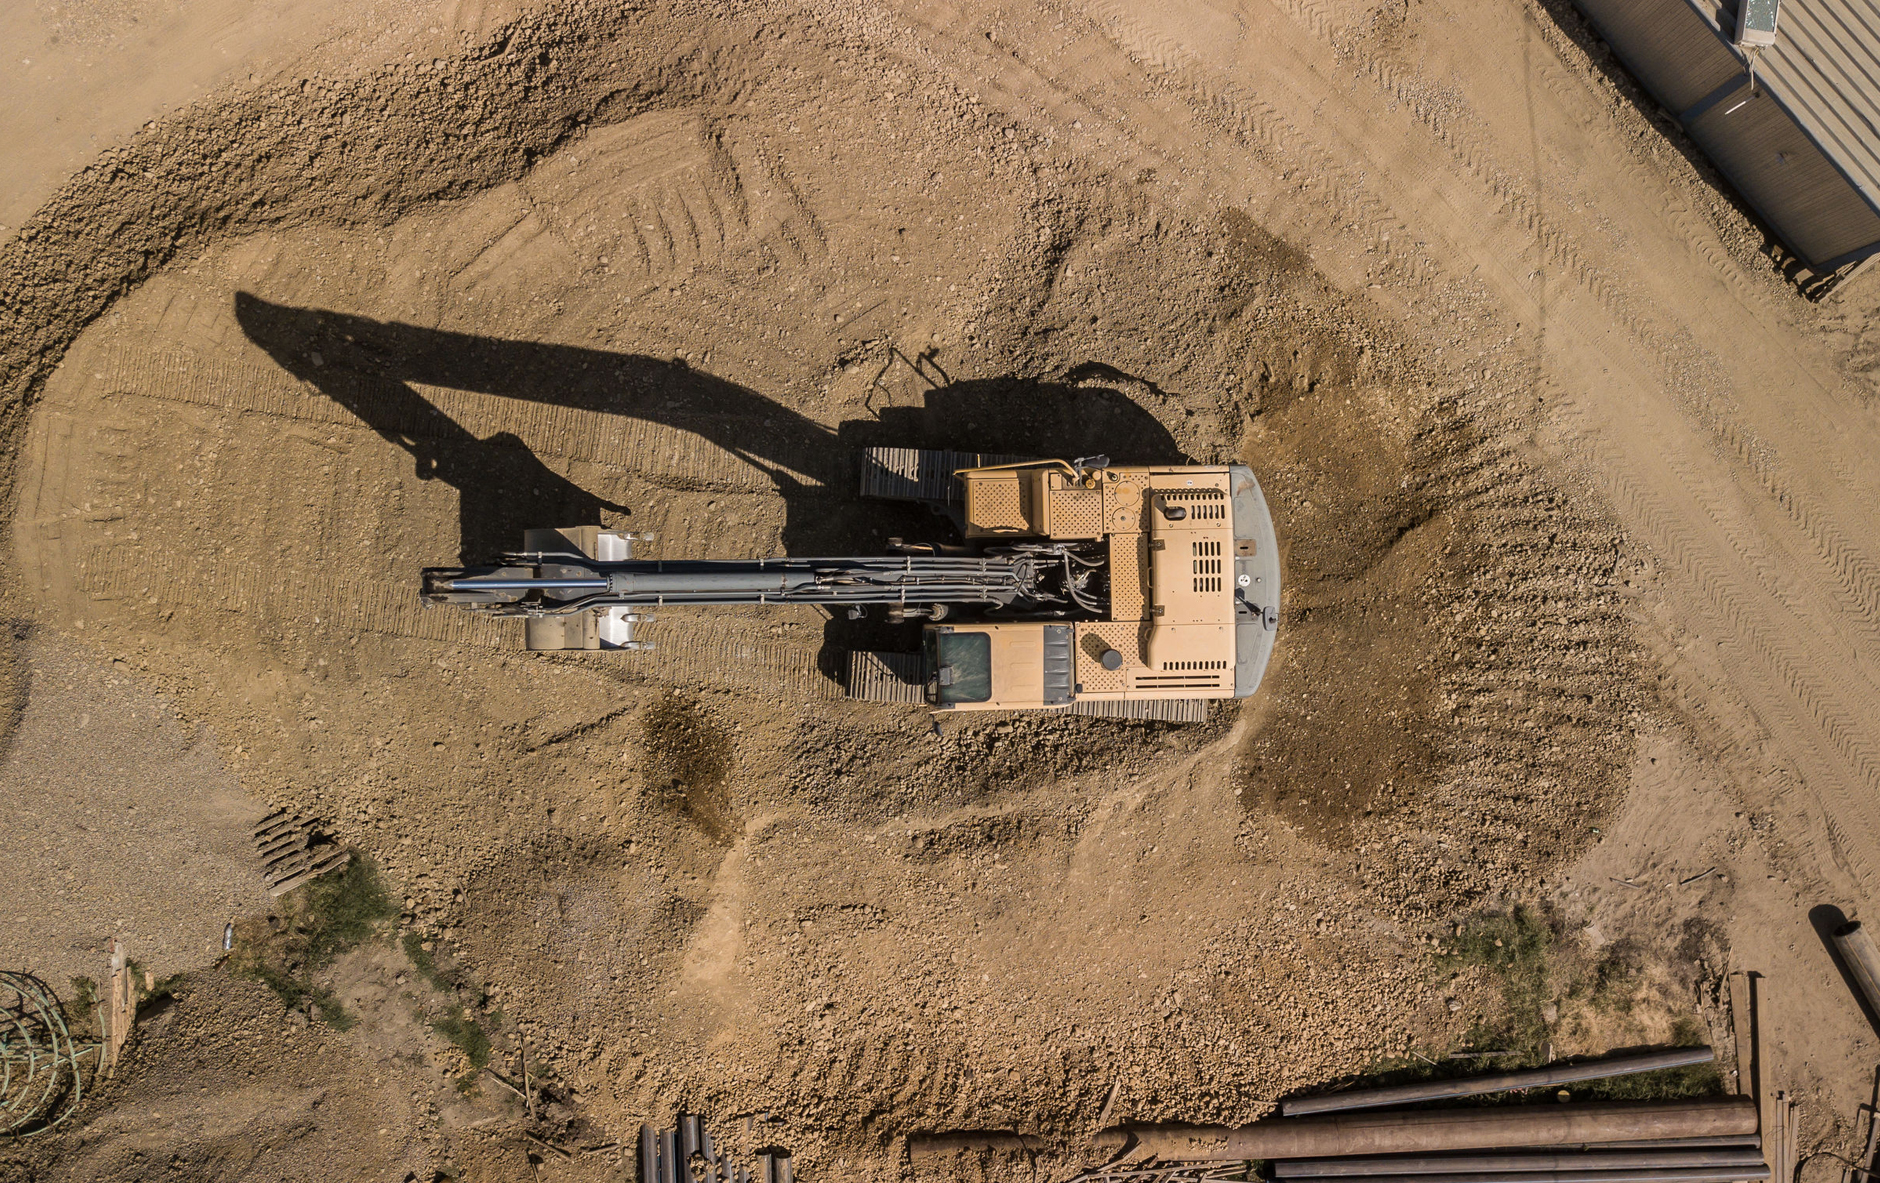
{"x": 563, "y": 584}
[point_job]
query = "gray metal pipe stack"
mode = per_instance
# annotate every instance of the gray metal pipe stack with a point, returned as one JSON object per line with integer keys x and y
{"x": 1731, "y": 1157}
{"x": 1441, "y": 1130}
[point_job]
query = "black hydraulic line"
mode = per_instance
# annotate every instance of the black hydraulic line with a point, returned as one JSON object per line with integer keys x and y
{"x": 1497, "y": 1082}
{"x": 494, "y": 584}
{"x": 1449, "y": 1164}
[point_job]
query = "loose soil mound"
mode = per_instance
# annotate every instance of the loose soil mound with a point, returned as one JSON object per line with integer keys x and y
{"x": 651, "y": 272}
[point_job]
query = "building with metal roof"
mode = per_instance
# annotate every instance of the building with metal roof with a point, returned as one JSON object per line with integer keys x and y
{"x": 1794, "y": 123}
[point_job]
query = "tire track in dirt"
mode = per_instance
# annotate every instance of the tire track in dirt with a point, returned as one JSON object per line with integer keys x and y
{"x": 1574, "y": 88}
{"x": 1260, "y": 126}
{"x": 1498, "y": 197}
{"x": 1858, "y": 575}
{"x": 1822, "y": 701}
{"x": 1805, "y": 698}
{"x": 1093, "y": 91}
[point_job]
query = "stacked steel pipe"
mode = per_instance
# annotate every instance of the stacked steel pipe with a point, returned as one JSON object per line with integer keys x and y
{"x": 687, "y": 1153}
{"x": 1712, "y": 1140}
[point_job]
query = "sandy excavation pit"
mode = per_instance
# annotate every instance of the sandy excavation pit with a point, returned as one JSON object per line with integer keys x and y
{"x": 667, "y": 271}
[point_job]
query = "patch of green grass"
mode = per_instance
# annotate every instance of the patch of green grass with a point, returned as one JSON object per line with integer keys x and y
{"x": 425, "y": 964}
{"x": 1666, "y": 1084}
{"x": 342, "y": 911}
{"x": 323, "y": 919}
{"x": 84, "y": 994}
{"x": 458, "y": 1025}
{"x": 83, "y": 1013}
{"x": 295, "y": 992}
{"x": 1514, "y": 947}
{"x": 1615, "y": 980}
{"x": 1543, "y": 979}
{"x": 464, "y": 1031}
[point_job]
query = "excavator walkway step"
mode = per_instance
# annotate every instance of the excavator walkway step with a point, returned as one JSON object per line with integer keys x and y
{"x": 1166, "y": 710}
{"x": 895, "y": 677}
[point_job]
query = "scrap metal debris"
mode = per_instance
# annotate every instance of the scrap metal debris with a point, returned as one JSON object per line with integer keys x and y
{"x": 293, "y": 850}
{"x": 42, "y": 1069}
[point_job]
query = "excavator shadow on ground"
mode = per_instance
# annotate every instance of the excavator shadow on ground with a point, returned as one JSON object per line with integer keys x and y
{"x": 372, "y": 367}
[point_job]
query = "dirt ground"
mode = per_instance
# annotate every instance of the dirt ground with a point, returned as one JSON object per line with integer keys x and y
{"x": 1576, "y": 492}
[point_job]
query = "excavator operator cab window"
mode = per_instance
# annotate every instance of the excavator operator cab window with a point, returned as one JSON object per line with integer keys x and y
{"x": 959, "y": 667}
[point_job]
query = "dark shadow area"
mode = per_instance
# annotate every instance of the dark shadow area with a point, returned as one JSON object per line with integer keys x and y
{"x": 1826, "y": 919}
{"x": 369, "y": 367}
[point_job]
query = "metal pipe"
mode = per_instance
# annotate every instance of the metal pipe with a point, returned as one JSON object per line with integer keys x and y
{"x": 649, "y": 1155}
{"x": 1752, "y": 1140}
{"x": 1663, "y": 1175}
{"x": 1550, "y": 1161}
{"x": 1499, "y": 1082}
{"x": 1862, "y": 960}
{"x": 465, "y": 585}
{"x": 1434, "y": 1131}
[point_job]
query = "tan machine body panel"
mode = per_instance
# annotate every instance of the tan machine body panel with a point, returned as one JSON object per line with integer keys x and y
{"x": 1171, "y": 545}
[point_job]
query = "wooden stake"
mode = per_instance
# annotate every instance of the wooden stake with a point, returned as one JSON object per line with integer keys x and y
{"x": 1777, "y": 1133}
{"x": 528, "y": 1090}
{"x": 1788, "y": 1135}
{"x": 1743, "y": 1027}
{"x": 547, "y": 1145}
{"x": 497, "y": 1077}
{"x": 1865, "y": 1166}
{"x": 123, "y": 1007}
{"x": 1792, "y": 1143}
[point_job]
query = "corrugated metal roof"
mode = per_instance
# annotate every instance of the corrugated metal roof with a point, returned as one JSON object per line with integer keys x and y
{"x": 1825, "y": 68}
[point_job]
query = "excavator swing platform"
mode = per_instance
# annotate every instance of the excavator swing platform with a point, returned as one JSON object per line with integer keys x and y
{"x": 1135, "y": 591}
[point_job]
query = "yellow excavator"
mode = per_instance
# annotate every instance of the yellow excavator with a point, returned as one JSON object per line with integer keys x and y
{"x": 1140, "y": 591}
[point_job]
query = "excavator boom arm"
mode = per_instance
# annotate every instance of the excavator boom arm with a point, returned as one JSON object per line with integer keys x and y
{"x": 533, "y": 585}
